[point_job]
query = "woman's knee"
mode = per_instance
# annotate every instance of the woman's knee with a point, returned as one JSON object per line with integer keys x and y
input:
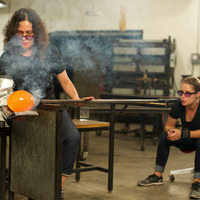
{"x": 76, "y": 136}
{"x": 73, "y": 136}
{"x": 163, "y": 136}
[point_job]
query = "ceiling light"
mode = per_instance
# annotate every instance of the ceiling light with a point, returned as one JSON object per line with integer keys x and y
{"x": 2, "y": 4}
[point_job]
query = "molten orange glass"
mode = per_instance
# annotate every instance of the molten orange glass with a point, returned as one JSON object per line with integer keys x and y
{"x": 20, "y": 101}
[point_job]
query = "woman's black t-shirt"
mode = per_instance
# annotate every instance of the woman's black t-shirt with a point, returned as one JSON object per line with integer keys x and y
{"x": 179, "y": 111}
{"x": 31, "y": 73}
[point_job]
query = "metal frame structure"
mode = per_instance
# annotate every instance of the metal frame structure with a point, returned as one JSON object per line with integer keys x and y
{"x": 46, "y": 105}
{"x": 36, "y": 155}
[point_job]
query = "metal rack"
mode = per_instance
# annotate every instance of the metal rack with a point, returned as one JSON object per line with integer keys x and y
{"x": 87, "y": 55}
{"x": 140, "y": 68}
{"x": 121, "y": 62}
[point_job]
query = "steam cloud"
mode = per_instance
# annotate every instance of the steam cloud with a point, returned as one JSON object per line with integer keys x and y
{"x": 84, "y": 52}
{"x": 80, "y": 55}
{"x": 88, "y": 54}
{"x": 32, "y": 76}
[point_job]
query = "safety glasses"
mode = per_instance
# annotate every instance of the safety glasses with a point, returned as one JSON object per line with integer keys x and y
{"x": 27, "y": 37}
{"x": 187, "y": 94}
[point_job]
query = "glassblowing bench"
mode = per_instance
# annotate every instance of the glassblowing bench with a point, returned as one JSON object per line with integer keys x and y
{"x": 36, "y": 148}
{"x": 156, "y": 105}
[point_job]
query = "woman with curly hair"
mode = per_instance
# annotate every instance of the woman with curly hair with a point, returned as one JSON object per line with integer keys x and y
{"x": 32, "y": 62}
{"x": 41, "y": 38}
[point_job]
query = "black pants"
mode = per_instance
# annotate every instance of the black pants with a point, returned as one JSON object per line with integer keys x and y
{"x": 188, "y": 144}
{"x": 71, "y": 139}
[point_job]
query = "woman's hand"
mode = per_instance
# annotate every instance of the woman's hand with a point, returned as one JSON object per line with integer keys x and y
{"x": 174, "y": 134}
{"x": 86, "y": 99}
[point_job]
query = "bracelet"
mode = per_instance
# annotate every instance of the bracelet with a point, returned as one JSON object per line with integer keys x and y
{"x": 185, "y": 133}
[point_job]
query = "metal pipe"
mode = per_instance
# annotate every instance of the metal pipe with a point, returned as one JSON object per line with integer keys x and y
{"x": 117, "y": 101}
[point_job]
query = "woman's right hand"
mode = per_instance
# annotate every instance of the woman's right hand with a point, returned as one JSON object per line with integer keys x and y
{"x": 174, "y": 134}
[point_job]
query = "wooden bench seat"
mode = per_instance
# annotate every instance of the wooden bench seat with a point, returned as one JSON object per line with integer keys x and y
{"x": 87, "y": 124}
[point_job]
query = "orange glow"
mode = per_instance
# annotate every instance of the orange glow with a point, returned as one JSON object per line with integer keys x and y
{"x": 20, "y": 101}
{"x": 122, "y": 22}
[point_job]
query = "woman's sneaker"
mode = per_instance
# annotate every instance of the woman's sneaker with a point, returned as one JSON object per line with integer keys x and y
{"x": 151, "y": 180}
{"x": 195, "y": 190}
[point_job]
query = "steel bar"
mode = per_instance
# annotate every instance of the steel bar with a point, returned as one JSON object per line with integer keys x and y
{"x": 111, "y": 147}
{"x": 107, "y": 101}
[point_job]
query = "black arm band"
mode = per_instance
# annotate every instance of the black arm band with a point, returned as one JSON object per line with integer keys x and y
{"x": 185, "y": 133}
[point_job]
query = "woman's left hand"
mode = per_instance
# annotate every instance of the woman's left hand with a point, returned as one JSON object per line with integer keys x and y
{"x": 86, "y": 99}
{"x": 174, "y": 134}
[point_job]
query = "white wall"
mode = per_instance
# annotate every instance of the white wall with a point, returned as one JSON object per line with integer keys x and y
{"x": 158, "y": 19}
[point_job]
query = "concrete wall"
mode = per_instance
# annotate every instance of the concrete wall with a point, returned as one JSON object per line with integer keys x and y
{"x": 157, "y": 18}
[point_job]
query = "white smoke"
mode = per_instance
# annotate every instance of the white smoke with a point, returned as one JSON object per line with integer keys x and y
{"x": 28, "y": 73}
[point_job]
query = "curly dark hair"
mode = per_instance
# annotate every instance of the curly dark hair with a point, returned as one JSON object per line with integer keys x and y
{"x": 193, "y": 81}
{"x": 41, "y": 37}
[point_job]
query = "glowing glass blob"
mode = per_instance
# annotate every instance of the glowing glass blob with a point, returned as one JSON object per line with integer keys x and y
{"x": 20, "y": 101}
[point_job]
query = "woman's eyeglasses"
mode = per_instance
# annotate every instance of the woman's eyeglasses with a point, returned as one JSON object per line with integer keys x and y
{"x": 187, "y": 94}
{"x": 27, "y": 37}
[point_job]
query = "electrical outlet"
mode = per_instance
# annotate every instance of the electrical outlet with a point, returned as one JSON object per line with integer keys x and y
{"x": 195, "y": 58}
